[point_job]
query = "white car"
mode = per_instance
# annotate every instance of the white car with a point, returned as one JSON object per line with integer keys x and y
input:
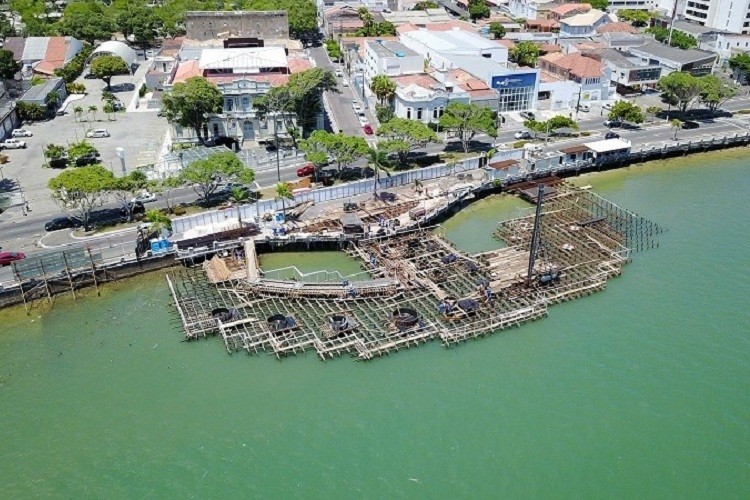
{"x": 344, "y": 83}
{"x": 19, "y": 132}
{"x": 144, "y": 197}
{"x": 339, "y": 74}
{"x": 523, "y": 134}
{"x": 100, "y": 132}
{"x": 13, "y": 144}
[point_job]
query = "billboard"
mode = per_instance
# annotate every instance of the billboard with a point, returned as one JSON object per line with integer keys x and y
{"x": 514, "y": 80}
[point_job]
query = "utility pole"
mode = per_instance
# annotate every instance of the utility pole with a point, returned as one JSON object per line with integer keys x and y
{"x": 535, "y": 234}
{"x": 671, "y": 24}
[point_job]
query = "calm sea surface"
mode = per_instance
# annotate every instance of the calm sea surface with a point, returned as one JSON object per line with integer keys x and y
{"x": 642, "y": 391}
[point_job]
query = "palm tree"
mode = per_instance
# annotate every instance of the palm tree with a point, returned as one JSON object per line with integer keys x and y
{"x": 54, "y": 98}
{"x": 109, "y": 108}
{"x": 377, "y": 158}
{"x": 676, "y": 125}
{"x": 78, "y": 112}
{"x": 653, "y": 110}
{"x": 159, "y": 221}
{"x": 283, "y": 192}
{"x": 238, "y": 195}
{"x": 366, "y": 18}
{"x": 383, "y": 88}
{"x": 92, "y": 110}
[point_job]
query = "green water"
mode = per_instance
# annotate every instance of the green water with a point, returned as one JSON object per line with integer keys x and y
{"x": 641, "y": 391}
{"x": 279, "y": 265}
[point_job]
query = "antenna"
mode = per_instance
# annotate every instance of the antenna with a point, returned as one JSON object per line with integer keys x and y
{"x": 535, "y": 233}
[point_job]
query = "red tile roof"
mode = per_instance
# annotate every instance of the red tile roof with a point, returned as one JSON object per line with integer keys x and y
{"x": 548, "y": 48}
{"x": 444, "y": 26}
{"x": 54, "y": 58}
{"x": 274, "y": 79}
{"x": 618, "y": 27}
{"x": 186, "y": 70}
{"x": 543, "y": 23}
{"x": 566, "y": 8}
{"x": 576, "y": 64}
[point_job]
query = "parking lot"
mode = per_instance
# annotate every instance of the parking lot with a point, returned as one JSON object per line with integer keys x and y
{"x": 140, "y": 134}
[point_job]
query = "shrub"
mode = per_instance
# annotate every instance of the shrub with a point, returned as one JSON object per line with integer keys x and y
{"x": 75, "y": 88}
{"x": 28, "y": 111}
{"x": 519, "y": 144}
{"x": 383, "y": 113}
{"x": 53, "y": 151}
{"x": 37, "y": 80}
{"x": 74, "y": 68}
{"x": 178, "y": 211}
{"x": 142, "y": 90}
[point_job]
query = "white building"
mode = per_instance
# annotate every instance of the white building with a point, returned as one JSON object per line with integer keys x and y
{"x": 729, "y": 15}
{"x": 615, "y": 5}
{"x": 390, "y": 58}
{"x": 528, "y": 9}
{"x": 584, "y": 25}
{"x": 439, "y": 46}
{"x": 424, "y": 98}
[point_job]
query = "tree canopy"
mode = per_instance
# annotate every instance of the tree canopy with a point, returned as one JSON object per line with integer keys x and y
{"x": 478, "y": 9}
{"x": 525, "y": 53}
{"x": 81, "y": 190}
{"x": 424, "y": 5}
{"x": 134, "y": 18}
{"x": 679, "y": 39}
{"x": 106, "y": 66}
{"x": 341, "y": 149}
{"x": 334, "y": 49}
{"x": 497, "y": 30}
{"x": 740, "y": 64}
{"x": 635, "y": 17}
{"x": 383, "y": 88}
{"x": 682, "y": 87}
{"x": 626, "y": 111}
{"x": 468, "y": 120}
{"x": 599, "y": 4}
{"x": 88, "y": 20}
{"x": 403, "y": 136}
{"x": 8, "y": 66}
{"x": 191, "y": 102}
{"x": 715, "y": 91}
{"x": 205, "y": 174}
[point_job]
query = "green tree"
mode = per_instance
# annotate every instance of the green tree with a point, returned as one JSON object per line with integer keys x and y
{"x": 679, "y": 39}
{"x": 468, "y": 120}
{"x": 366, "y": 17}
{"x": 740, "y": 65}
{"x": 29, "y": 111}
{"x": 535, "y": 126}
{"x": 377, "y": 158}
{"x": 126, "y": 188}
{"x": 54, "y": 151}
{"x": 306, "y": 90}
{"x": 134, "y": 18}
{"x": 525, "y": 53}
{"x": 424, "y": 5}
{"x": 106, "y": 66}
{"x": 283, "y": 192}
{"x": 79, "y": 191}
{"x": 676, "y": 125}
{"x": 599, "y": 4}
{"x": 88, "y": 20}
{"x": 238, "y": 196}
{"x": 653, "y": 111}
{"x": 6, "y": 28}
{"x": 8, "y": 66}
{"x": 341, "y": 149}
{"x": 478, "y": 10}
{"x": 191, "y": 102}
{"x": 497, "y": 30}
{"x": 715, "y": 91}
{"x": 205, "y": 174}
{"x": 334, "y": 50}
{"x": 383, "y": 87}
{"x": 78, "y": 149}
{"x": 109, "y": 109}
{"x": 626, "y": 111}
{"x": 92, "y": 111}
{"x": 159, "y": 221}
{"x": 383, "y": 113}
{"x": 682, "y": 87}
{"x": 166, "y": 187}
{"x": 637, "y": 18}
{"x": 78, "y": 112}
{"x": 402, "y": 136}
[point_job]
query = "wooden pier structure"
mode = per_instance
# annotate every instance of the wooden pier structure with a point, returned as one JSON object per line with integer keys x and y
{"x": 420, "y": 286}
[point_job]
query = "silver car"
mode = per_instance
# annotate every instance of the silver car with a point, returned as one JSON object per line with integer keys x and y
{"x": 100, "y": 132}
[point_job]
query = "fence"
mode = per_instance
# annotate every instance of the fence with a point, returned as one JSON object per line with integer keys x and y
{"x": 340, "y": 192}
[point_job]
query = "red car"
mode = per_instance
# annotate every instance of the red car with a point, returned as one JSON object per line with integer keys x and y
{"x": 7, "y": 257}
{"x": 308, "y": 169}
{"x": 368, "y": 129}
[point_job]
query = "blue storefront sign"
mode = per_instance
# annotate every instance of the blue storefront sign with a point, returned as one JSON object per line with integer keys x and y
{"x": 513, "y": 81}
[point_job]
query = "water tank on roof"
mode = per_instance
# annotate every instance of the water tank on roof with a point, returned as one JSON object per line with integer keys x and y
{"x": 400, "y": 54}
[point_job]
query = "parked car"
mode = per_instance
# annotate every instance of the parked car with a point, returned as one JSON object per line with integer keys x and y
{"x": 612, "y": 123}
{"x": 89, "y": 76}
{"x": 118, "y": 105}
{"x": 532, "y": 148}
{"x": 611, "y": 135}
{"x": 527, "y": 115}
{"x": 97, "y": 133}
{"x": 339, "y": 74}
{"x": 87, "y": 159}
{"x": 524, "y": 134}
{"x": 351, "y": 173}
{"x": 144, "y": 197}
{"x": 690, "y": 125}
{"x": 19, "y": 132}
{"x": 584, "y": 107}
{"x": 344, "y": 83}
{"x": 62, "y": 223}
{"x": 13, "y": 144}
{"x": 58, "y": 163}
{"x": 7, "y": 257}
{"x": 308, "y": 169}
{"x": 368, "y": 129}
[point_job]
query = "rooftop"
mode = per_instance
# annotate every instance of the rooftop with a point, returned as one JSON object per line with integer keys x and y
{"x": 577, "y": 64}
{"x": 452, "y": 41}
{"x": 620, "y": 59}
{"x": 438, "y": 26}
{"x": 566, "y": 8}
{"x": 587, "y": 19}
{"x": 418, "y": 17}
{"x": 251, "y": 60}
{"x": 386, "y": 48}
{"x": 475, "y": 87}
{"x": 617, "y": 27}
{"x": 39, "y": 92}
{"x": 608, "y": 145}
{"x": 660, "y": 51}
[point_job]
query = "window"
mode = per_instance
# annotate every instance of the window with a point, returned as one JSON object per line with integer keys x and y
{"x": 408, "y": 113}
{"x": 419, "y": 113}
{"x": 216, "y": 129}
{"x": 435, "y": 112}
{"x": 229, "y": 104}
{"x": 245, "y": 103}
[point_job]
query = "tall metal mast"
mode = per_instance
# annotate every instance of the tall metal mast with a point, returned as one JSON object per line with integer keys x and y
{"x": 535, "y": 234}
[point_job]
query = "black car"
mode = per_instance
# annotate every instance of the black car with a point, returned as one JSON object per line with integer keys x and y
{"x": 350, "y": 173}
{"x": 690, "y": 125}
{"x": 62, "y": 223}
{"x": 87, "y": 159}
{"x": 58, "y": 163}
{"x": 612, "y": 135}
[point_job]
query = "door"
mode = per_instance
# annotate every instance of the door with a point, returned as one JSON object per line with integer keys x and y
{"x": 247, "y": 130}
